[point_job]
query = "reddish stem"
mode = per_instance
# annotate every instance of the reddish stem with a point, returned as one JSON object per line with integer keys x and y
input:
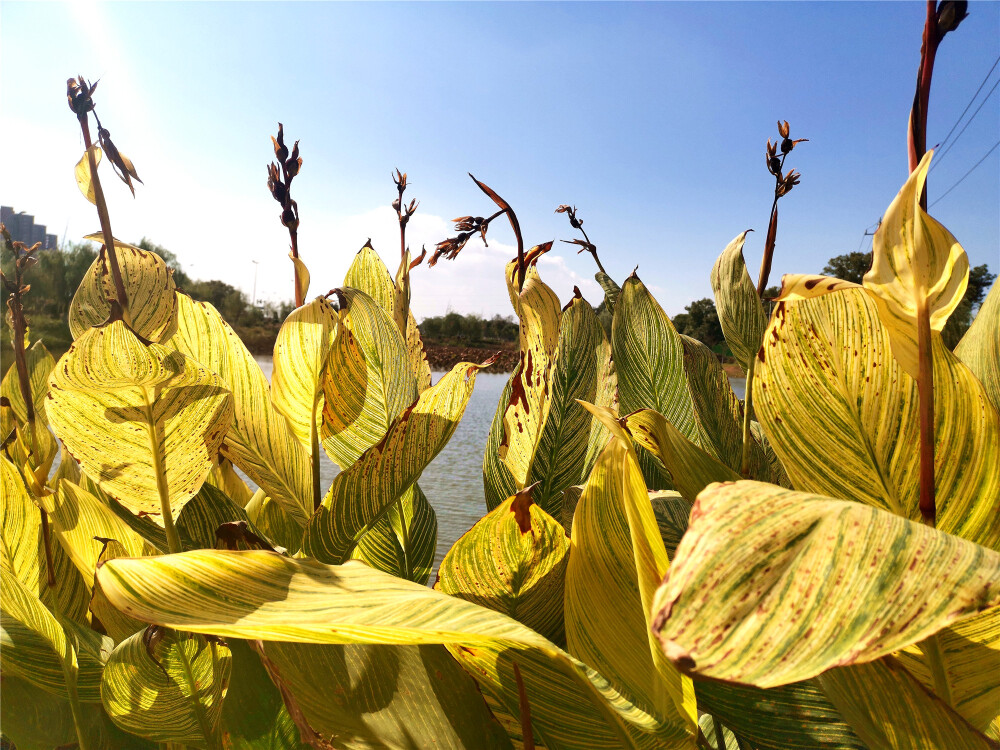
{"x": 925, "y": 393}
{"x": 917, "y": 134}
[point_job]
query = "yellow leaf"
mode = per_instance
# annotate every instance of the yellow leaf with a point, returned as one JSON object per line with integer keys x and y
{"x": 259, "y": 441}
{"x": 300, "y": 353}
{"x": 363, "y": 493}
{"x": 916, "y": 263}
{"x": 530, "y": 396}
{"x": 617, "y": 560}
{"x": 145, "y": 422}
{"x": 301, "y": 277}
{"x": 149, "y": 285}
{"x": 82, "y": 171}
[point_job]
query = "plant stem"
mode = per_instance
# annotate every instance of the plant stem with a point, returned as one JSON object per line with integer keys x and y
{"x": 917, "y": 132}
{"x": 702, "y": 740}
{"x": 772, "y": 234}
{"x": 102, "y": 213}
{"x": 720, "y": 737}
{"x": 47, "y": 543}
{"x": 925, "y": 393}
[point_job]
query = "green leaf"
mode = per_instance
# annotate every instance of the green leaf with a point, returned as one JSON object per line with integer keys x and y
{"x": 144, "y": 421}
{"x": 903, "y": 715}
{"x": 259, "y": 441}
{"x": 571, "y": 438}
{"x": 512, "y": 561}
{"x": 649, "y": 357}
{"x": 741, "y": 313}
{"x": 149, "y": 285}
{"x": 170, "y": 691}
{"x": 360, "y": 496}
{"x": 771, "y": 586}
{"x": 260, "y": 595}
{"x": 842, "y": 415}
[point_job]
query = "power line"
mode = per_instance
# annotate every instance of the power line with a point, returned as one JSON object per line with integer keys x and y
{"x": 985, "y": 99}
{"x": 971, "y": 170}
{"x": 971, "y": 101}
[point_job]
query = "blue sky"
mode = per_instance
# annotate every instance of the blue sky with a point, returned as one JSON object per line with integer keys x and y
{"x": 651, "y": 118}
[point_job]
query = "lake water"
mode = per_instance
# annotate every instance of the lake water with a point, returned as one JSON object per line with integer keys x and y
{"x": 453, "y": 482}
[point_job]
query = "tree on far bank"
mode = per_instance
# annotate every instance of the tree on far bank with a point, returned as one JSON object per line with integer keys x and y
{"x": 701, "y": 321}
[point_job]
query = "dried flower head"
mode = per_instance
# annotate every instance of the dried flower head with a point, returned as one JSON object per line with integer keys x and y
{"x": 79, "y": 93}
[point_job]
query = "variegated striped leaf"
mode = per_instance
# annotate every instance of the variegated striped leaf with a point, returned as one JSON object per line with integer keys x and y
{"x": 531, "y": 391}
{"x": 798, "y": 716}
{"x": 720, "y": 413}
{"x": 300, "y": 352}
{"x": 116, "y": 624}
{"x": 741, "y": 313}
{"x": 260, "y": 595}
{"x": 969, "y": 654}
{"x": 224, "y": 477}
{"x": 259, "y": 441}
{"x": 274, "y": 523}
{"x": 149, "y": 284}
{"x": 842, "y": 416}
{"x": 370, "y": 275}
{"x": 611, "y": 290}
{"x": 617, "y": 560}
{"x": 144, "y": 421}
{"x": 22, "y": 546}
{"x": 498, "y": 481}
{"x": 376, "y": 695}
{"x": 169, "y": 688}
{"x": 771, "y": 586}
{"x": 979, "y": 349}
{"x": 512, "y": 561}
{"x": 916, "y": 264}
{"x": 404, "y": 540}
{"x": 254, "y": 716}
{"x": 890, "y": 709}
{"x": 362, "y": 494}
{"x": 367, "y": 382}
{"x": 691, "y": 469}
{"x": 39, "y": 363}
{"x": 52, "y": 653}
{"x": 571, "y": 439}
{"x": 649, "y": 357}
{"x": 80, "y": 522}
{"x": 201, "y": 518}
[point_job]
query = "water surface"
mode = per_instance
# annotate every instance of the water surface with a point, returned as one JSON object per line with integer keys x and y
{"x": 453, "y": 482}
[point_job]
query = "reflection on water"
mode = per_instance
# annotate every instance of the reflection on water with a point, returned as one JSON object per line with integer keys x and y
{"x": 453, "y": 482}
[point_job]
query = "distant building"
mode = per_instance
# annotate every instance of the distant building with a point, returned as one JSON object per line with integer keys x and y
{"x": 22, "y": 228}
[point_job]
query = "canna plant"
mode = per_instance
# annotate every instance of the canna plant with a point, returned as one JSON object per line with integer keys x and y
{"x": 661, "y": 564}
